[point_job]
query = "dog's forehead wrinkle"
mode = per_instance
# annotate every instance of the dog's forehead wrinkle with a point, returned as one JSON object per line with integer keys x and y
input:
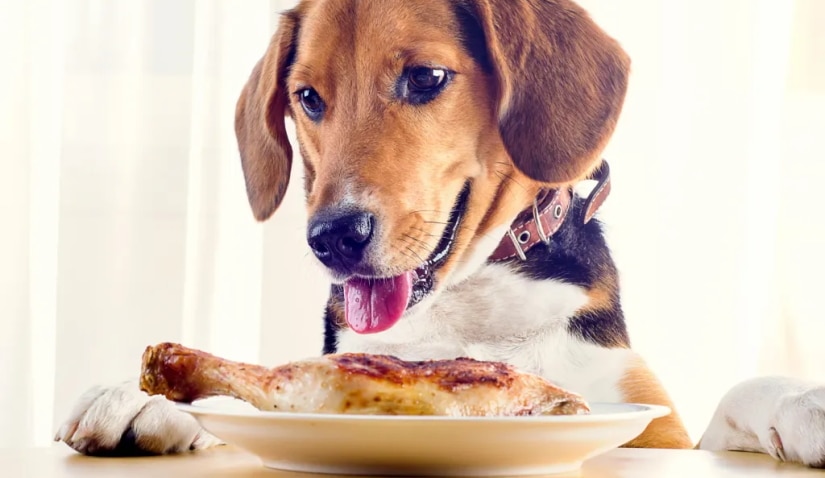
{"x": 356, "y": 51}
{"x": 368, "y": 30}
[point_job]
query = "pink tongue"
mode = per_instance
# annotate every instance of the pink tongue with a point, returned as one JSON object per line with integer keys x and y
{"x": 373, "y": 306}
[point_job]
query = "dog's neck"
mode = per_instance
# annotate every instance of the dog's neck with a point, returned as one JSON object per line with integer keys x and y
{"x": 537, "y": 224}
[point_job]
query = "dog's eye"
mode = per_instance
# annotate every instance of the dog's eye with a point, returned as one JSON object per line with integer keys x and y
{"x": 312, "y": 103}
{"x": 422, "y": 84}
{"x": 426, "y": 79}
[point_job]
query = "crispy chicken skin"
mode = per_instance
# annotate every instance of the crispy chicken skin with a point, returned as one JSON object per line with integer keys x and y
{"x": 357, "y": 384}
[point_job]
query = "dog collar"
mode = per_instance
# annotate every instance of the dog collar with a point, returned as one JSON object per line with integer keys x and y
{"x": 538, "y": 223}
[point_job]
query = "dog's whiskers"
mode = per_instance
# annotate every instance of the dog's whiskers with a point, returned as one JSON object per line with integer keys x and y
{"x": 419, "y": 211}
{"x": 424, "y": 232}
{"x": 410, "y": 245}
{"x": 423, "y": 244}
{"x": 409, "y": 254}
{"x": 508, "y": 179}
{"x": 404, "y": 253}
{"x": 412, "y": 251}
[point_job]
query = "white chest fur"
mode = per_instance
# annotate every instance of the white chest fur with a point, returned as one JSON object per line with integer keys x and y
{"x": 496, "y": 314}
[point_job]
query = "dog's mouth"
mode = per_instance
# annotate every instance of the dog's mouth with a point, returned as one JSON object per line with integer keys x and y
{"x": 373, "y": 305}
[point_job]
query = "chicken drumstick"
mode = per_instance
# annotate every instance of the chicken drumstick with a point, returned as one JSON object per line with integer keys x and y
{"x": 357, "y": 384}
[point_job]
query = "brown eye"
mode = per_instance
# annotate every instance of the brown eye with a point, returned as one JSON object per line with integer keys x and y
{"x": 426, "y": 79}
{"x": 421, "y": 84}
{"x": 312, "y": 103}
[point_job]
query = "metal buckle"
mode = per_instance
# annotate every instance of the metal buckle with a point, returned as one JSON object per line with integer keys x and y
{"x": 516, "y": 244}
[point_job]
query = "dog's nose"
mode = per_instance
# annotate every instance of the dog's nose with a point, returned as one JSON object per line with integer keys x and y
{"x": 339, "y": 239}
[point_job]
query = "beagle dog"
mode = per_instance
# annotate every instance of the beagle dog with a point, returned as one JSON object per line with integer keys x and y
{"x": 447, "y": 146}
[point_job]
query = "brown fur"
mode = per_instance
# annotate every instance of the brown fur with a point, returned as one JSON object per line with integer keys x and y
{"x": 639, "y": 385}
{"x": 335, "y": 306}
{"x": 541, "y": 117}
{"x": 266, "y": 155}
{"x": 603, "y": 294}
{"x": 534, "y": 109}
{"x": 561, "y": 83}
{"x": 603, "y": 297}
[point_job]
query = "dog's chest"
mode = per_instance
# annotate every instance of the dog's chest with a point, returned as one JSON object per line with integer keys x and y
{"x": 497, "y": 314}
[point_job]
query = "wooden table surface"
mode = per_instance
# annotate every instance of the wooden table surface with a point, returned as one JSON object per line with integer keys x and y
{"x": 61, "y": 462}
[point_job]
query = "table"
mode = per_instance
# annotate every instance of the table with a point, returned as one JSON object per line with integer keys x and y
{"x": 59, "y": 461}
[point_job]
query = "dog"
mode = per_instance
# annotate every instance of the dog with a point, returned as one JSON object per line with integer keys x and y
{"x": 445, "y": 146}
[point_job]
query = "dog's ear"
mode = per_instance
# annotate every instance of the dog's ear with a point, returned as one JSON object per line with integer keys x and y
{"x": 260, "y": 128}
{"x": 561, "y": 79}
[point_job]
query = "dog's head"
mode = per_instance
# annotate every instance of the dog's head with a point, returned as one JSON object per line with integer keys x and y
{"x": 424, "y": 127}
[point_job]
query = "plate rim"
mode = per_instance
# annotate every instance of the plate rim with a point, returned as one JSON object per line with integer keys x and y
{"x": 640, "y": 410}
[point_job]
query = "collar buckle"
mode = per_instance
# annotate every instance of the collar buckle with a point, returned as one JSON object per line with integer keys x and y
{"x": 526, "y": 232}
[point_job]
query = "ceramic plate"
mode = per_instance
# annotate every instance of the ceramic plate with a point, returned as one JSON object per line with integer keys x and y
{"x": 406, "y": 445}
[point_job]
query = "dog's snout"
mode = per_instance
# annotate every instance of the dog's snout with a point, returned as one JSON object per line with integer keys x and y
{"x": 339, "y": 239}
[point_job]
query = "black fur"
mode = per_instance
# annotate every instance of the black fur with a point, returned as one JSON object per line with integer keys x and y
{"x": 472, "y": 35}
{"x": 331, "y": 320}
{"x": 578, "y": 254}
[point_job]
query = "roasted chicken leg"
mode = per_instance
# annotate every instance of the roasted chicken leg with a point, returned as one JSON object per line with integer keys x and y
{"x": 357, "y": 384}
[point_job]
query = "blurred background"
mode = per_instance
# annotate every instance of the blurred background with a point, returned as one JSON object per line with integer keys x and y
{"x": 124, "y": 219}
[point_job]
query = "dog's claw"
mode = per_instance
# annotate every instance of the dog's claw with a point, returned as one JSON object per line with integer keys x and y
{"x": 776, "y": 442}
{"x": 82, "y": 445}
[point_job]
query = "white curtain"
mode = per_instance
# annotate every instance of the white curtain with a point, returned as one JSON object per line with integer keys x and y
{"x": 125, "y": 223}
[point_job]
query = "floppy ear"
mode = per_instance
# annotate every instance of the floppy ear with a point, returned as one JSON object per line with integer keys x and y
{"x": 562, "y": 82}
{"x": 266, "y": 155}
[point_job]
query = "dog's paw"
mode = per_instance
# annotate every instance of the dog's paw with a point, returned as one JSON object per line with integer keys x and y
{"x": 797, "y": 433}
{"x": 124, "y": 421}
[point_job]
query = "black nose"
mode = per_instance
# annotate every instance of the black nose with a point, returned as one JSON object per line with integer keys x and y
{"x": 338, "y": 239}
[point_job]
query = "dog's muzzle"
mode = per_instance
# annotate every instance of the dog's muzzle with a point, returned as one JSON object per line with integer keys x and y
{"x": 374, "y": 303}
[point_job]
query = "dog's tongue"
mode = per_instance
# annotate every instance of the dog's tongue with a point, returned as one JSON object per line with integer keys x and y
{"x": 373, "y": 306}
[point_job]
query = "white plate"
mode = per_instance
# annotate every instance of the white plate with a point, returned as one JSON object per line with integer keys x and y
{"x": 407, "y": 445}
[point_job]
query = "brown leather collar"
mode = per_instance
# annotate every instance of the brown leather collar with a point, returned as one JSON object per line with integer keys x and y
{"x": 538, "y": 223}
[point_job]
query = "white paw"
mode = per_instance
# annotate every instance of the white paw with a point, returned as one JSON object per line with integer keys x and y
{"x": 797, "y": 433}
{"x": 122, "y": 421}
